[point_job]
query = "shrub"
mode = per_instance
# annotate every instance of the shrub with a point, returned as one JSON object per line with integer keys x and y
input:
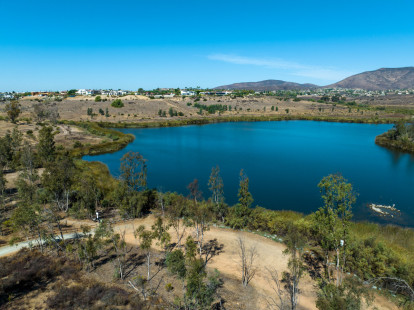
{"x": 117, "y": 103}
{"x": 98, "y": 99}
{"x": 77, "y": 144}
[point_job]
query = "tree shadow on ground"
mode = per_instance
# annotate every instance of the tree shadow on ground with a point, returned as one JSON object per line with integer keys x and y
{"x": 211, "y": 248}
{"x": 313, "y": 263}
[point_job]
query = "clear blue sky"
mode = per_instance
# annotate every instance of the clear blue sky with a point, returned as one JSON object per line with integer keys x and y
{"x": 55, "y": 45}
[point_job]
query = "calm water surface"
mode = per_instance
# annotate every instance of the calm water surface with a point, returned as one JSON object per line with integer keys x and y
{"x": 284, "y": 160}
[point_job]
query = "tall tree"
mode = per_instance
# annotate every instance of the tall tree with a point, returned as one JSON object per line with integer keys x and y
{"x": 134, "y": 171}
{"x": 146, "y": 238}
{"x": 46, "y": 146}
{"x": 295, "y": 243}
{"x": 195, "y": 192}
{"x": 27, "y": 182}
{"x": 13, "y": 110}
{"x": 57, "y": 179}
{"x": 248, "y": 256}
{"x": 332, "y": 220}
{"x": 201, "y": 216}
{"x": 245, "y": 197}
{"x": 3, "y": 182}
{"x": 176, "y": 211}
{"x": 215, "y": 184}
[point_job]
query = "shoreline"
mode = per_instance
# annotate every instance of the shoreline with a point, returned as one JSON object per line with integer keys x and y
{"x": 384, "y": 141}
{"x": 121, "y": 140}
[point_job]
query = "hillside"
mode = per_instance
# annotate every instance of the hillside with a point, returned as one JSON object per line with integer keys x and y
{"x": 267, "y": 85}
{"x": 381, "y": 79}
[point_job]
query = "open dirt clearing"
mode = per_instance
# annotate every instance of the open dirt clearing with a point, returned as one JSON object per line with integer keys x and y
{"x": 270, "y": 255}
{"x": 65, "y": 135}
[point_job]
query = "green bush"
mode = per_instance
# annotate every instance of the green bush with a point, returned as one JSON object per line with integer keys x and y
{"x": 117, "y": 103}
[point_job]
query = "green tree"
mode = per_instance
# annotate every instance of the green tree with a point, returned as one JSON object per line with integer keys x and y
{"x": 245, "y": 197}
{"x": 160, "y": 232}
{"x": 176, "y": 210}
{"x": 98, "y": 99}
{"x": 175, "y": 263}
{"x": 46, "y": 146}
{"x": 171, "y": 112}
{"x": 3, "y": 183}
{"x": 215, "y": 184}
{"x": 200, "y": 290}
{"x": 87, "y": 196}
{"x": 13, "y": 110}
{"x": 27, "y": 181}
{"x": 57, "y": 180}
{"x": 134, "y": 171}
{"x": 106, "y": 112}
{"x": 6, "y": 153}
{"x": 349, "y": 296}
{"x": 146, "y": 238}
{"x": 15, "y": 139}
{"x": 201, "y": 216}
{"x": 333, "y": 219}
{"x": 27, "y": 219}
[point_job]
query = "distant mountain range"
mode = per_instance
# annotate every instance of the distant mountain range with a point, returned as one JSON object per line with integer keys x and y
{"x": 268, "y": 85}
{"x": 381, "y": 79}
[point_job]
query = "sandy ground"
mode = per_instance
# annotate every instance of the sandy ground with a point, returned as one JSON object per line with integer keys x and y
{"x": 270, "y": 255}
{"x": 65, "y": 135}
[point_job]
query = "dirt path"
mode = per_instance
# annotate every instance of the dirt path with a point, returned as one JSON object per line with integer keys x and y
{"x": 270, "y": 255}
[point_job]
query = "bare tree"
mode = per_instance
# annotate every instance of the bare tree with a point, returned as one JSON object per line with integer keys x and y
{"x": 247, "y": 260}
{"x": 292, "y": 279}
{"x": 120, "y": 248}
{"x": 175, "y": 213}
{"x": 295, "y": 244}
{"x": 278, "y": 300}
{"x": 201, "y": 216}
{"x": 397, "y": 285}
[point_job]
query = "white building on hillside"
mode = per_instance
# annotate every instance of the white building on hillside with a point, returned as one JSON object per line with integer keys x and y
{"x": 187, "y": 93}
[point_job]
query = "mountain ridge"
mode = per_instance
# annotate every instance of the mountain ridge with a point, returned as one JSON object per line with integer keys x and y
{"x": 380, "y": 79}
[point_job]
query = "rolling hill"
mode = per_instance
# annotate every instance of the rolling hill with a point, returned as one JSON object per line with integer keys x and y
{"x": 267, "y": 85}
{"x": 381, "y": 79}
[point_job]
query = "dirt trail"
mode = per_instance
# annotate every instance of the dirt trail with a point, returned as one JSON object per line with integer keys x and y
{"x": 270, "y": 255}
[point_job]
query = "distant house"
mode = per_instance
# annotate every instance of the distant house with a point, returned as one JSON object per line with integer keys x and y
{"x": 6, "y": 96}
{"x": 223, "y": 93}
{"x": 164, "y": 96}
{"x": 187, "y": 93}
{"x": 84, "y": 92}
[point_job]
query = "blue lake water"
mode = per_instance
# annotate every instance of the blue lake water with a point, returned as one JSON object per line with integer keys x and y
{"x": 284, "y": 161}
